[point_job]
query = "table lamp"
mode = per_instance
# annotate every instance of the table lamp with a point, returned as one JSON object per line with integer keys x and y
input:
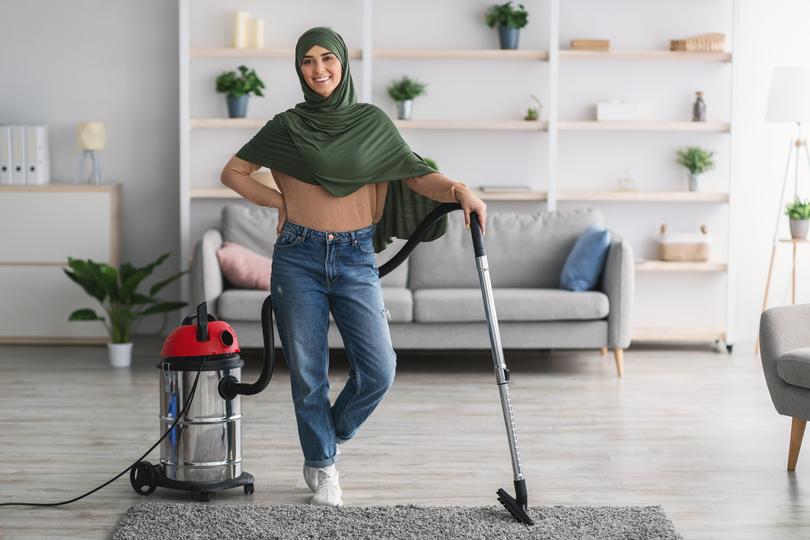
{"x": 90, "y": 138}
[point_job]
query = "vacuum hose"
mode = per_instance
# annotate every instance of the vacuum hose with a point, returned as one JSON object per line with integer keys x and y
{"x": 229, "y": 386}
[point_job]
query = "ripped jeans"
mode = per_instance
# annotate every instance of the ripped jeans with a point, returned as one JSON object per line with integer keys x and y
{"x": 315, "y": 272}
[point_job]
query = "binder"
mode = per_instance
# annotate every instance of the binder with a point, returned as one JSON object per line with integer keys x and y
{"x": 5, "y": 155}
{"x": 18, "y": 155}
{"x": 36, "y": 155}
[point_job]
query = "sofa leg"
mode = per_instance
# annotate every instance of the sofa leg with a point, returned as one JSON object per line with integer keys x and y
{"x": 619, "y": 354}
{"x": 796, "y": 435}
{"x": 603, "y": 350}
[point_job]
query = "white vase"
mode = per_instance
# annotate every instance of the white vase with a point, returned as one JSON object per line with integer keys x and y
{"x": 120, "y": 354}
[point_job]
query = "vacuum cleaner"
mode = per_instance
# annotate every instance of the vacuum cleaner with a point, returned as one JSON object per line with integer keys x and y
{"x": 203, "y": 451}
{"x": 200, "y": 396}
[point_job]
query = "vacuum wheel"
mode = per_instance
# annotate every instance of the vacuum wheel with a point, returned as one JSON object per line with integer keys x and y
{"x": 201, "y": 496}
{"x": 248, "y": 489}
{"x": 143, "y": 478}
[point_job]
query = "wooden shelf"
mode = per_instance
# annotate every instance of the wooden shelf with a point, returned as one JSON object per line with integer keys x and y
{"x": 214, "y": 193}
{"x": 507, "y": 125}
{"x": 228, "y": 123}
{"x": 678, "y": 334}
{"x": 646, "y": 55}
{"x": 229, "y": 52}
{"x": 61, "y": 187}
{"x": 675, "y": 266}
{"x": 643, "y": 196}
{"x": 592, "y": 125}
{"x": 459, "y": 54}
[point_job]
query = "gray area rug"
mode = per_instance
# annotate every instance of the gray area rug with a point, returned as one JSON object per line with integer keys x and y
{"x": 158, "y": 521}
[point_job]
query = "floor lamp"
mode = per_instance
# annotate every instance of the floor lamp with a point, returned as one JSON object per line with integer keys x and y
{"x": 789, "y": 101}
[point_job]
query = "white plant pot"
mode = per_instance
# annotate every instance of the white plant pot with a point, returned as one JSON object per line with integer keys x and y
{"x": 120, "y": 354}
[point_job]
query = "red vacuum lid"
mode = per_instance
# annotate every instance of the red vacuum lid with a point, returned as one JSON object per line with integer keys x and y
{"x": 183, "y": 341}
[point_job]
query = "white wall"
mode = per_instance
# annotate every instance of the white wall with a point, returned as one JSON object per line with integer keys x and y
{"x": 117, "y": 62}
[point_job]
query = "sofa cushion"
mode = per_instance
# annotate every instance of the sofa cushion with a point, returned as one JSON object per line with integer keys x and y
{"x": 244, "y": 268}
{"x": 585, "y": 263}
{"x": 793, "y": 367}
{"x": 511, "y": 304}
{"x": 255, "y": 228}
{"x": 246, "y": 304}
{"x": 523, "y": 250}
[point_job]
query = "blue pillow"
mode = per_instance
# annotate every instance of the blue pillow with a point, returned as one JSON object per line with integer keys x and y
{"x": 584, "y": 264}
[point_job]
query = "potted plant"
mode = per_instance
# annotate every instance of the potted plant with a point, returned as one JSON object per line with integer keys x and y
{"x": 116, "y": 291}
{"x": 509, "y": 21}
{"x": 697, "y": 161}
{"x": 403, "y": 92}
{"x": 238, "y": 88}
{"x": 799, "y": 213}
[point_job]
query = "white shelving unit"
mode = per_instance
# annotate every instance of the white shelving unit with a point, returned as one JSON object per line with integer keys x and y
{"x": 547, "y": 189}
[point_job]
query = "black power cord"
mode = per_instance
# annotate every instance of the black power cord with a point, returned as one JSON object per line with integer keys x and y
{"x": 119, "y": 475}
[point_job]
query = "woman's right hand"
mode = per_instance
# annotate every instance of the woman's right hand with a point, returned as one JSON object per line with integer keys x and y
{"x": 282, "y": 215}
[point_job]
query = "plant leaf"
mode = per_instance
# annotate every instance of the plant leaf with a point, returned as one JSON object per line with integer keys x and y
{"x": 84, "y": 314}
{"x": 157, "y": 287}
{"x": 163, "y": 307}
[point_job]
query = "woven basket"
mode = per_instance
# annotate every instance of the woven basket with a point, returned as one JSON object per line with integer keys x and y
{"x": 684, "y": 247}
{"x": 713, "y": 42}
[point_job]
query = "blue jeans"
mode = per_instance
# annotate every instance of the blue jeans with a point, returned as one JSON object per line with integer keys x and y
{"x": 315, "y": 272}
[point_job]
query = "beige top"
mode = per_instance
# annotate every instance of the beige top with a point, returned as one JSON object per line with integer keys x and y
{"x": 311, "y": 205}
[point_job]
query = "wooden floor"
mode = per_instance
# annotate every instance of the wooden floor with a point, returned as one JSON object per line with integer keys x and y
{"x": 691, "y": 430}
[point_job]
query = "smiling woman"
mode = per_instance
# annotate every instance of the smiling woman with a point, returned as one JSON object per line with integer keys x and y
{"x": 349, "y": 184}
{"x": 322, "y": 70}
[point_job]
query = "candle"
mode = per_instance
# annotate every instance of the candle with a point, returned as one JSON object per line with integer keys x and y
{"x": 258, "y": 34}
{"x": 240, "y": 30}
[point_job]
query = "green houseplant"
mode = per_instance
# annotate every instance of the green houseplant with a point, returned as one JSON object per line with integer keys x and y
{"x": 404, "y": 91}
{"x": 116, "y": 289}
{"x": 509, "y": 21}
{"x": 238, "y": 87}
{"x": 697, "y": 161}
{"x": 799, "y": 213}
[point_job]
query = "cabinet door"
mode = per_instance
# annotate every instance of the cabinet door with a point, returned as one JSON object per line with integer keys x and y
{"x": 36, "y": 302}
{"x": 49, "y": 227}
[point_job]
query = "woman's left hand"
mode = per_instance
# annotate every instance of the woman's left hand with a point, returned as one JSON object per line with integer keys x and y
{"x": 471, "y": 203}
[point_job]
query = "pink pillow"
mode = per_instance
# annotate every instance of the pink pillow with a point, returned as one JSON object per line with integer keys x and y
{"x": 244, "y": 268}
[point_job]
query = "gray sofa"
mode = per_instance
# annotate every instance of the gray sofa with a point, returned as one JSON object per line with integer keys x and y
{"x": 434, "y": 298}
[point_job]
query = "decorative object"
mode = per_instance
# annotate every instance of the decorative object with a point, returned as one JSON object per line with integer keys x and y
{"x": 116, "y": 290}
{"x": 91, "y": 137}
{"x": 534, "y": 109}
{"x": 240, "y": 31}
{"x": 238, "y": 88}
{"x": 626, "y": 181}
{"x": 591, "y": 45}
{"x": 258, "y": 34}
{"x": 619, "y": 111}
{"x": 799, "y": 213}
{"x": 509, "y": 21}
{"x": 159, "y": 521}
{"x": 711, "y": 42}
{"x": 788, "y": 102}
{"x": 243, "y": 267}
{"x": 697, "y": 161}
{"x": 699, "y": 108}
{"x": 584, "y": 264}
{"x": 684, "y": 246}
{"x": 403, "y": 92}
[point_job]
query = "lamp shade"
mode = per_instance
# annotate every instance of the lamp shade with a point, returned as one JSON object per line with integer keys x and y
{"x": 91, "y": 135}
{"x": 789, "y": 99}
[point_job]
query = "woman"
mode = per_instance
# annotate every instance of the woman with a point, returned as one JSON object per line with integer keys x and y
{"x": 349, "y": 183}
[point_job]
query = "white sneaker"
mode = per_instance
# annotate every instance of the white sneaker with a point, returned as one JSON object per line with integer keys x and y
{"x": 311, "y": 474}
{"x": 328, "y": 492}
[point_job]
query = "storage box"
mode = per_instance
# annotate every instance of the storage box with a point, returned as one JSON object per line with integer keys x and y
{"x": 684, "y": 246}
{"x": 619, "y": 111}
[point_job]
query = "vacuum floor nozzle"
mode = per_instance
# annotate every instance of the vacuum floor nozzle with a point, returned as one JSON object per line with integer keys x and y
{"x": 518, "y": 510}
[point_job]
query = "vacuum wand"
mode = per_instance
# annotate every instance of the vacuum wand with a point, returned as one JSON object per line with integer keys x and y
{"x": 518, "y": 505}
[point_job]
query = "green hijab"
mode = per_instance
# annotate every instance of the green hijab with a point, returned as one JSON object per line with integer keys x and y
{"x": 343, "y": 145}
